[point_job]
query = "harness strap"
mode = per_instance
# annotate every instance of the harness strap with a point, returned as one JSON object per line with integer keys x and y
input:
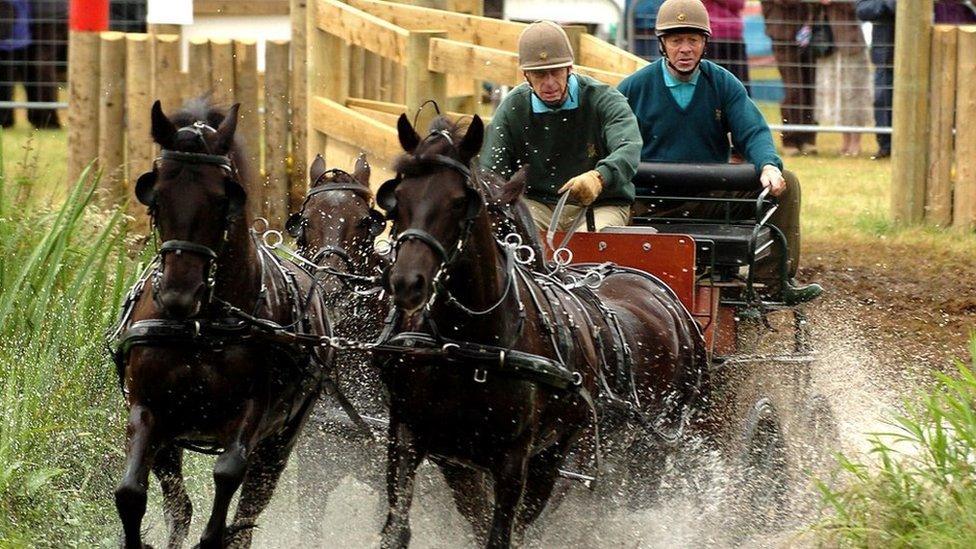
{"x": 426, "y": 238}
{"x": 187, "y": 246}
{"x": 482, "y": 358}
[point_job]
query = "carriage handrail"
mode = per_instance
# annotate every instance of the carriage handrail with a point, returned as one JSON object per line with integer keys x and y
{"x": 672, "y": 177}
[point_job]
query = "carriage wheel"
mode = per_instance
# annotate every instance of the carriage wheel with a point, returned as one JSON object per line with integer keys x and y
{"x": 764, "y": 467}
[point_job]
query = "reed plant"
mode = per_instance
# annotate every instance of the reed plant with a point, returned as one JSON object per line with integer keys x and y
{"x": 63, "y": 273}
{"x": 917, "y": 485}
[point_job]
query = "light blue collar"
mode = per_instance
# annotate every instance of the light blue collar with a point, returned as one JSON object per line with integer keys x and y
{"x": 571, "y": 102}
{"x": 672, "y": 82}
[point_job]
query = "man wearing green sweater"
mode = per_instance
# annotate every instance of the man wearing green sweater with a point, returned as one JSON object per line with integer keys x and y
{"x": 576, "y": 134}
{"x": 687, "y": 108}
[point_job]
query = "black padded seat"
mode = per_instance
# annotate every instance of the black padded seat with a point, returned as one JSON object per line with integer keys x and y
{"x": 729, "y": 242}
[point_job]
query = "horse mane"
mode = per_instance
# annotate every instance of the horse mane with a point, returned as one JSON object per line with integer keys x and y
{"x": 201, "y": 109}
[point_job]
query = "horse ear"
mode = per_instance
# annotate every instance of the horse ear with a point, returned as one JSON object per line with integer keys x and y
{"x": 163, "y": 131}
{"x": 226, "y": 129}
{"x": 408, "y": 136}
{"x": 514, "y": 188}
{"x": 316, "y": 170}
{"x": 473, "y": 138}
{"x": 362, "y": 171}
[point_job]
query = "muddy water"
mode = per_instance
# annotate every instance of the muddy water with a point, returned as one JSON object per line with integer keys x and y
{"x": 698, "y": 509}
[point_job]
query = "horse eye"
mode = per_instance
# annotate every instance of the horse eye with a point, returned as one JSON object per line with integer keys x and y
{"x": 459, "y": 204}
{"x": 364, "y": 222}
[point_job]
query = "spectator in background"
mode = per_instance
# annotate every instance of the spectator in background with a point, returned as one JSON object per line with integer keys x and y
{"x": 726, "y": 45}
{"x": 14, "y": 40}
{"x": 955, "y": 12}
{"x": 881, "y": 15}
{"x": 644, "y": 17}
{"x": 783, "y": 19}
{"x": 843, "y": 81}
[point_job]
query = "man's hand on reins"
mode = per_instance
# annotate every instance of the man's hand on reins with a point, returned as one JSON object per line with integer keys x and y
{"x": 773, "y": 178}
{"x": 584, "y": 188}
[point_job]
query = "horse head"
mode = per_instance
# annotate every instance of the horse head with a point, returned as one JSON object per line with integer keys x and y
{"x": 432, "y": 202}
{"x": 338, "y": 227}
{"x": 195, "y": 195}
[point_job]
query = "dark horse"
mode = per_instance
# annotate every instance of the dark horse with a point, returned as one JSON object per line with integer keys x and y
{"x": 492, "y": 368}
{"x": 335, "y": 229}
{"x": 210, "y": 349}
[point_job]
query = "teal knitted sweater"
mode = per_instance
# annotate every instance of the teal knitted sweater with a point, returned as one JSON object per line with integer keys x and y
{"x": 600, "y": 134}
{"x": 698, "y": 133}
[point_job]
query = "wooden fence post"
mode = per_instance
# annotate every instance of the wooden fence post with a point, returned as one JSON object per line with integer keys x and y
{"x": 357, "y": 71}
{"x": 222, "y": 71}
{"x": 300, "y": 17}
{"x": 199, "y": 68}
{"x": 938, "y": 204}
{"x": 276, "y": 85}
{"x": 83, "y": 64}
{"x": 909, "y": 143}
{"x": 371, "y": 76}
{"x": 111, "y": 116}
{"x": 167, "y": 74}
{"x": 422, "y": 84}
{"x": 328, "y": 76}
{"x": 249, "y": 125}
{"x": 138, "y": 102}
{"x": 964, "y": 196}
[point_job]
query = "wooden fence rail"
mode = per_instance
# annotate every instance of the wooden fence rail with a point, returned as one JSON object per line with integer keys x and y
{"x": 411, "y": 54}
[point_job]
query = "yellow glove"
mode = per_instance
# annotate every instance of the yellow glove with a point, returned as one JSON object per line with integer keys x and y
{"x": 584, "y": 188}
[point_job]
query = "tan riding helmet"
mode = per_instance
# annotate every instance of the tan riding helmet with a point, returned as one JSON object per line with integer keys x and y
{"x": 688, "y": 15}
{"x": 544, "y": 45}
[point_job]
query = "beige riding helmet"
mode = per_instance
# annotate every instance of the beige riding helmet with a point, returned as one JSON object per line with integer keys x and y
{"x": 544, "y": 45}
{"x": 687, "y": 15}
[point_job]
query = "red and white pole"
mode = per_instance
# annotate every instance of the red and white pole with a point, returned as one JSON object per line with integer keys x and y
{"x": 87, "y": 18}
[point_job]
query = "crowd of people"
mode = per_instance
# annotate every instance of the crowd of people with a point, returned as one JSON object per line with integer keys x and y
{"x": 822, "y": 57}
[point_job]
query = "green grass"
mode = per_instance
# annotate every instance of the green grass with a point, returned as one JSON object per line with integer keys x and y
{"x": 918, "y": 489}
{"x": 63, "y": 271}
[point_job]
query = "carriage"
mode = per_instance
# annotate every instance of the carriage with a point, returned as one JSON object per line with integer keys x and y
{"x": 773, "y": 419}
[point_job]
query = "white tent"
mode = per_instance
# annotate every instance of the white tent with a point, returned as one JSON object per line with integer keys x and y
{"x": 602, "y": 13}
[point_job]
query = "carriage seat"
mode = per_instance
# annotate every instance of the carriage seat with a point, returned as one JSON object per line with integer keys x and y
{"x": 727, "y": 243}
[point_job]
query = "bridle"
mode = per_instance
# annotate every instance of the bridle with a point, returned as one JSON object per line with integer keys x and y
{"x": 145, "y": 192}
{"x": 295, "y": 226}
{"x": 447, "y": 257}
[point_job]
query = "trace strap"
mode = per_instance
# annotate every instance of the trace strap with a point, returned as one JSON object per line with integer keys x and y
{"x": 483, "y": 359}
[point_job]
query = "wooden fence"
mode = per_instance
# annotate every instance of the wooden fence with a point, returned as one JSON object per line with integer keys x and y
{"x": 933, "y": 142}
{"x": 355, "y": 66}
{"x": 133, "y": 70}
{"x": 370, "y": 60}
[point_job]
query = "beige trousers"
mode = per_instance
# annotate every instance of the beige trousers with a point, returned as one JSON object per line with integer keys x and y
{"x": 603, "y": 216}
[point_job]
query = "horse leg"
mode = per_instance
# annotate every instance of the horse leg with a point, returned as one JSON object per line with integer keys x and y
{"x": 403, "y": 459}
{"x": 510, "y": 476}
{"x": 267, "y": 463}
{"x": 471, "y": 497}
{"x": 228, "y": 473}
{"x": 168, "y": 468}
{"x": 130, "y": 496}
{"x": 543, "y": 471}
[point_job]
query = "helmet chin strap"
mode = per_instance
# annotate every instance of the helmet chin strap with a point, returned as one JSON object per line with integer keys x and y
{"x": 664, "y": 54}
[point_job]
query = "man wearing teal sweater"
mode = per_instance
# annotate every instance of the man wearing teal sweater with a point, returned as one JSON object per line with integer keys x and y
{"x": 576, "y": 134}
{"x": 688, "y": 107}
